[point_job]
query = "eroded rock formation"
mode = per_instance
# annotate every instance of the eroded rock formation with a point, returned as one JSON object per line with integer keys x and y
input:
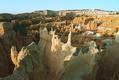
{"x": 50, "y": 56}
{"x": 7, "y": 38}
{"x": 36, "y": 61}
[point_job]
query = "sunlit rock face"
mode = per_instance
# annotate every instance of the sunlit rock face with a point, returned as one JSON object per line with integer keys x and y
{"x": 1, "y": 29}
{"x": 117, "y": 37}
{"x": 88, "y": 22}
{"x": 68, "y": 49}
{"x": 36, "y": 61}
{"x": 83, "y": 66}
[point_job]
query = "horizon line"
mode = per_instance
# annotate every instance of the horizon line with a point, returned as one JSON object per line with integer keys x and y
{"x": 21, "y": 12}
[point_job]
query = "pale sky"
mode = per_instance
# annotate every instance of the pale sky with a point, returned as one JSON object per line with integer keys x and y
{"x": 21, "y": 6}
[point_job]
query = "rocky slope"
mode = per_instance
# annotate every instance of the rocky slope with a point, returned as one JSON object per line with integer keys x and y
{"x": 8, "y": 38}
{"x": 22, "y": 29}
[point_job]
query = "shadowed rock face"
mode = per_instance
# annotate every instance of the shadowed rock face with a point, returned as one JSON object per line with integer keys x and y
{"x": 8, "y": 38}
{"x": 108, "y": 64}
{"x": 29, "y": 66}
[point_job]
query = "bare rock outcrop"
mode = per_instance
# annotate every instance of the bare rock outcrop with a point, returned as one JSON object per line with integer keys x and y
{"x": 89, "y": 22}
{"x": 36, "y": 61}
{"x": 28, "y": 66}
{"x": 117, "y": 37}
{"x": 7, "y": 38}
{"x": 108, "y": 64}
